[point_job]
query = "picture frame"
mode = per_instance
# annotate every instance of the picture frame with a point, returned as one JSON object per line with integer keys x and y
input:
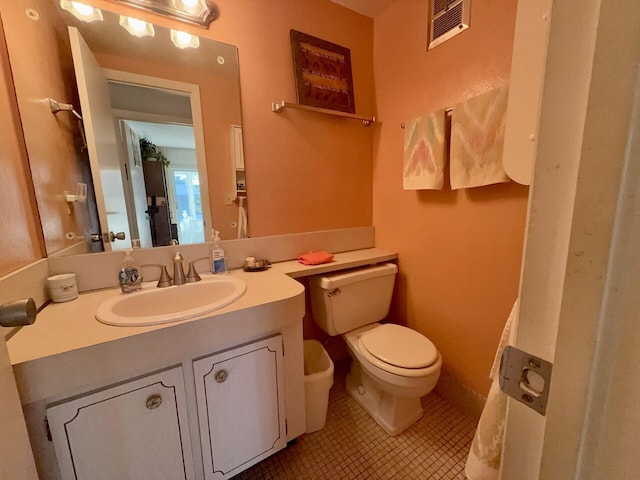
{"x": 322, "y": 72}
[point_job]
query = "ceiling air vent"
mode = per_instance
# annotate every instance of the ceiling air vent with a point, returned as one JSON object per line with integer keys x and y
{"x": 447, "y": 18}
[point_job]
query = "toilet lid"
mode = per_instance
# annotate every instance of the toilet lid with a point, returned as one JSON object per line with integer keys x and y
{"x": 399, "y": 346}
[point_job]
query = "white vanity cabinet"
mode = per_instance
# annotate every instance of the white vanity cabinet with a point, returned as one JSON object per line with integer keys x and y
{"x": 140, "y": 429}
{"x": 132, "y": 431}
{"x": 93, "y": 387}
{"x": 241, "y": 413}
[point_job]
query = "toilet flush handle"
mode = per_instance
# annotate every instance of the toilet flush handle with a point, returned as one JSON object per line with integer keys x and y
{"x": 334, "y": 292}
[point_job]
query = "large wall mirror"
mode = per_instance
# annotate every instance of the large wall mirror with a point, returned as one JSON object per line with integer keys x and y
{"x": 160, "y": 141}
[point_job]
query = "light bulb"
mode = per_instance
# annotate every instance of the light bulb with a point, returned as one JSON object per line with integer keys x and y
{"x": 184, "y": 39}
{"x": 81, "y": 11}
{"x": 136, "y": 27}
{"x": 189, "y": 5}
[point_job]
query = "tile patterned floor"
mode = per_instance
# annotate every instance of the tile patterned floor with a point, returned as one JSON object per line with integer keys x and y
{"x": 352, "y": 446}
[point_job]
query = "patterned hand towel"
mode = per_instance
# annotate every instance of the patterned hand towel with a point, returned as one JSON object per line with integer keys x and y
{"x": 424, "y": 152}
{"x": 477, "y": 139}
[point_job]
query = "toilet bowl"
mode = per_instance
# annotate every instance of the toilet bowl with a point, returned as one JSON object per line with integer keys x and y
{"x": 392, "y": 366}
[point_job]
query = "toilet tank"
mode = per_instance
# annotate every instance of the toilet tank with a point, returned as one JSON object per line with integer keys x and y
{"x": 346, "y": 300}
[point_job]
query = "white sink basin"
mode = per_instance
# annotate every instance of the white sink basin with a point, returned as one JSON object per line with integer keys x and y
{"x": 153, "y": 306}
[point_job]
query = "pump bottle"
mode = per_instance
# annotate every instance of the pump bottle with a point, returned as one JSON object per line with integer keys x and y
{"x": 129, "y": 276}
{"x": 219, "y": 265}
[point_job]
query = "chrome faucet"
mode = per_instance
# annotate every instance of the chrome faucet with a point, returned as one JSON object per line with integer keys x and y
{"x": 179, "y": 278}
{"x": 178, "y": 270}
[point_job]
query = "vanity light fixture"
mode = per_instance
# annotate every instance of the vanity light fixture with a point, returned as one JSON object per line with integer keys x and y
{"x": 137, "y": 28}
{"x": 81, "y": 11}
{"x": 184, "y": 40}
{"x": 195, "y": 12}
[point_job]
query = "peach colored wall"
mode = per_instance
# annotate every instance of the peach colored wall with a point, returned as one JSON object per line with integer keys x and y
{"x": 305, "y": 171}
{"x": 20, "y": 238}
{"x": 460, "y": 251}
{"x": 42, "y": 68}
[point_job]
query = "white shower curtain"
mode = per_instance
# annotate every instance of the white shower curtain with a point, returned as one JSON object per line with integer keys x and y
{"x": 483, "y": 462}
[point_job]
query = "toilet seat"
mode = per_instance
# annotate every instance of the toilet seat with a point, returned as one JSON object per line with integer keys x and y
{"x": 398, "y": 350}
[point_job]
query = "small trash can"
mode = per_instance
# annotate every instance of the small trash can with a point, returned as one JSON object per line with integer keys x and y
{"x": 318, "y": 379}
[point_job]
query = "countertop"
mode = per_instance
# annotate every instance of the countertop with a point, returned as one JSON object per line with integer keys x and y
{"x": 341, "y": 261}
{"x": 62, "y": 327}
{"x": 69, "y": 326}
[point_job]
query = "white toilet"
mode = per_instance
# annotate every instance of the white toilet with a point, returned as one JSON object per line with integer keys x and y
{"x": 393, "y": 366}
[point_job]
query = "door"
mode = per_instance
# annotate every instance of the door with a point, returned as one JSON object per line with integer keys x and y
{"x": 240, "y": 400}
{"x": 136, "y": 192}
{"x": 100, "y": 134}
{"x": 579, "y": 284}
{"x": 16, "y": 458}
{"x": 132, "y": 431}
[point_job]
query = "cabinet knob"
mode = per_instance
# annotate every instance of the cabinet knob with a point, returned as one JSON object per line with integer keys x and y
{"x": 154, "y": 401}
{"x": 221, "y": 376}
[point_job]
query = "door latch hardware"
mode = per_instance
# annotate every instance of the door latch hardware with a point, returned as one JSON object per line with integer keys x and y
{"x": 525, "y": 378}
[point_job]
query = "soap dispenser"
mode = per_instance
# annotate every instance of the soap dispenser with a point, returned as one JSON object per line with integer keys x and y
{"x": 129, "y": 277}
{"x": 219, "y": 265}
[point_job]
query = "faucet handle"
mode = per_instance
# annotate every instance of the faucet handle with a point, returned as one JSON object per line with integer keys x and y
{"x": 192, "y": 275}
{"x": 165, "y": 278}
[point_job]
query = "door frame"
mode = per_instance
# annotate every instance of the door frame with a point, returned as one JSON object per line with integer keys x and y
{"x": 193, "y": 92}
{"x": 576, "y": 262}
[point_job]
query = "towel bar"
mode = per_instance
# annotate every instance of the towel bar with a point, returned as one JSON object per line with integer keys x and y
{"x": 447, "y": 110}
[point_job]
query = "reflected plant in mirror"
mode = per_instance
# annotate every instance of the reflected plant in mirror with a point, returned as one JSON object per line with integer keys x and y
{"x": 150, "y": 150}
{"x": 159, "y": 137}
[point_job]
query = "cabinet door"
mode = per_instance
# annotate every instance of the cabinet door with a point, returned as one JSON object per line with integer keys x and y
{"x": 237, "y": 148}
{"x": 134, "y": 431}
{"x": 240, "y": 406}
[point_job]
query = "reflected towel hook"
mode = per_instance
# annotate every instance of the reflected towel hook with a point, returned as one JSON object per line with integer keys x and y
{"x": 63, "y": 107}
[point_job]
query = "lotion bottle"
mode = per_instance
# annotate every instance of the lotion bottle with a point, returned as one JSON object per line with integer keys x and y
{"x": 129, "y": 276}
{"x": 218, "y": 264}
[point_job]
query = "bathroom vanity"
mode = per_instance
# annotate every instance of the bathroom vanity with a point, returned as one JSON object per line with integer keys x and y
{"x": 203, "y": 398}
{"x": 213, "y": 394}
